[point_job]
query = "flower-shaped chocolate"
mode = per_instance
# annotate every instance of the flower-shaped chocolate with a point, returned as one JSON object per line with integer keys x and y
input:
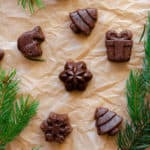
{"x": 75, "y": 76}
{"x": 56, "y": 128}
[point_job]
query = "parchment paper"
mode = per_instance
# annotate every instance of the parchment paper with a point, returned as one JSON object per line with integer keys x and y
{"x": 40, "y": 79}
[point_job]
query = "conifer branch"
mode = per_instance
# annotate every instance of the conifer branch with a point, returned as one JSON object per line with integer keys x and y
{"x": 14, "y": 114}
{"x": 30, "y": 4}
{"x": 136, "y": 135}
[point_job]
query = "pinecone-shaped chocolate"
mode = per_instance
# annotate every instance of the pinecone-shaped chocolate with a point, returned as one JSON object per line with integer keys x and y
{"x": 83, "y": 20}
{"x": 29, "y": 42}
{"x": 119, "y": 45}
{"x": 107, "y": 122}
{"x": 56, "y": 128}
{"x": 75, "y": 76}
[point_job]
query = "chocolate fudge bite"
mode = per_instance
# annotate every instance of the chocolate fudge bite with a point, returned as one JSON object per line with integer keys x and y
{"x": 119, "y": 45}
{"x": 107, "y": 122}
{"x": 75, "y": 76}
{"x": 83, "y": 20}
{"x": 56, "y": 128}
{"x": 29, "y": 42}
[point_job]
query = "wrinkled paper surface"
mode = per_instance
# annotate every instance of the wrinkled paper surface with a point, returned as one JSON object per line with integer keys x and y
{"x": 40, "y": 79}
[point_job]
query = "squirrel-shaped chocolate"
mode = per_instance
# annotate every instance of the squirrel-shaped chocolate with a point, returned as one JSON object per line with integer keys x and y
{"x": 29, "y": 42}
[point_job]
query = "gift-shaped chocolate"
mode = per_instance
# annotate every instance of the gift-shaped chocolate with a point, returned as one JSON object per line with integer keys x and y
{"x": 119, "y": 45}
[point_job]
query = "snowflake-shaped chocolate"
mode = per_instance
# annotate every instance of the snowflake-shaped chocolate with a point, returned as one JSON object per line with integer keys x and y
{"x": 56, "y": 128}
{"x": 75, "y": 76}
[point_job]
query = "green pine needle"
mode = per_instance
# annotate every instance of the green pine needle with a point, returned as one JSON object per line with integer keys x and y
{"x": 142, "y": 35}
{"x": 136, "y": 135}
{"x": 30, "y": 4}
{"x": 14, "y": 114}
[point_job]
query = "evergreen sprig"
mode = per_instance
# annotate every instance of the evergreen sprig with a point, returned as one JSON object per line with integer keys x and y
{"x": 136, "y": 135}
{"x": 31, "y": 3}
{"x": 14, "y": 114}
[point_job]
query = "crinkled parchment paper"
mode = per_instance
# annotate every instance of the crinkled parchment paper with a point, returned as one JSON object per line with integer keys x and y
{"x": 40, "y": 79}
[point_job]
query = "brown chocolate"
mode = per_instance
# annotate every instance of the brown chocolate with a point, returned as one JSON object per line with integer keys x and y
{"x": 75, "y": 76}
{"x": 83, "y": 20}
{"x": 56, "y": 128}
{"x": 119, "y": 45}
{"x": 29, "y": 42}
{"x": 107, "y": 122}
{"x": 1, "y": 54}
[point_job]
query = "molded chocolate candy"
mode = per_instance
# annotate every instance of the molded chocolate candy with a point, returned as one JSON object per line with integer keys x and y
{"x": 119, "y": 45}
{"x": 75, "y": 76}
{"x": 83, "y": 20}
{"x": 29, "y": 42}
{"x": 107, "y": 122}
{"x": 56, "y": 128}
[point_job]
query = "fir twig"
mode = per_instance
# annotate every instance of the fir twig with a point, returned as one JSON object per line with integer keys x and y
{"x": 30, "y": 3}
{"x": 136, "y": 135}
{"x": 136, "y": 91}
{"x": 14, "y": 114}
{"x": 146, "y": 67}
